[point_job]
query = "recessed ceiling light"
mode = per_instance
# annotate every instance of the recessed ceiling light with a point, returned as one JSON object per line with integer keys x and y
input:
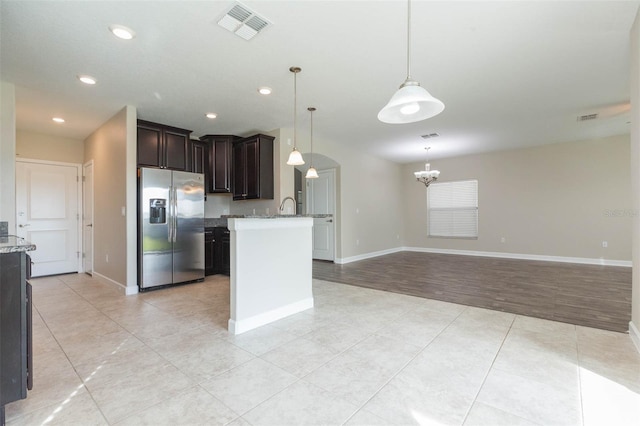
{"x": 264, "y": 90}
{"x": 58, "y": 119}
{"x": 87, "y": 79}
{"x": 211, "y": 115}
{"x": 122, "y": 32}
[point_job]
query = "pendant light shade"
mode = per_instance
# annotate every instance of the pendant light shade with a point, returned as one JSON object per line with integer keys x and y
{"x": 295, "y": 158}
{"x": 311, "y": 173}
{"x": 411, "y": 102}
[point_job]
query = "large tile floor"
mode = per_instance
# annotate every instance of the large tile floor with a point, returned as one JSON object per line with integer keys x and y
{"x": 360, "y": 357}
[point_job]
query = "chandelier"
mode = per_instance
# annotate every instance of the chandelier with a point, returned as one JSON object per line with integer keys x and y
{"x": 427, "y": 176}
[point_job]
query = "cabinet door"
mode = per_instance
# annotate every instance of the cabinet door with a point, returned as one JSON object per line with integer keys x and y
{"x": 149, "y": 146}
{"x": 226, "y": 253}
{"x": 175, "y": 150}
{"x": 253, "y": 168}
{"x": 221, "y": 161}
{"x": 239, "y": 182}
{"x": 209, "y": 250}
{"x": 199, "y": 159}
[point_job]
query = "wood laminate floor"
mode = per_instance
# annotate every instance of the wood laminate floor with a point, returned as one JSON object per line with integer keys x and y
{"x": 589, "y": 295}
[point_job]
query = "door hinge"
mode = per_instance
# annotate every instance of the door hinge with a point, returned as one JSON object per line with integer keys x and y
{"x": 84, "y": 178}
{"x": 78, "y": 254}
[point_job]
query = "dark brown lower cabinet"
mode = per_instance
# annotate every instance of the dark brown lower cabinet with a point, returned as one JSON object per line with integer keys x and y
{"x": 16, "y": 366}
{"x": 217, "y": 251}
{"x": 209, "y": 250}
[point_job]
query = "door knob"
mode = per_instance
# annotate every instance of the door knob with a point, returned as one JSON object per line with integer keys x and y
{"x": 24, "y": 226}
{"x": 330, "y": 220}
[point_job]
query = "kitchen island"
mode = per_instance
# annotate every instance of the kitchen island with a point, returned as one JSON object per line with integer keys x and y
{"x": 271, "y": 269}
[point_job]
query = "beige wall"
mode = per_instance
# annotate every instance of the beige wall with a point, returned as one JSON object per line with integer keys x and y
{"x": 635, "y": 167}
{"x": 369, "y": 200}
{"x": 550, "y": 200}
{"x": 39, "y": 146}
{"x": 8, "y": 155}
{"x": 107, "y": 147}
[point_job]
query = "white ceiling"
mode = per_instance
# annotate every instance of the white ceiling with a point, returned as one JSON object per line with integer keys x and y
{"x": 510, "y": 73}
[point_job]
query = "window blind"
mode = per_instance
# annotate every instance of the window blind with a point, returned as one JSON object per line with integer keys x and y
{"x": 453, "y": 209}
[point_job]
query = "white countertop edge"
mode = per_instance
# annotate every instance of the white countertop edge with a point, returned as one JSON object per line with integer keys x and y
{"x": 241, "y": 224}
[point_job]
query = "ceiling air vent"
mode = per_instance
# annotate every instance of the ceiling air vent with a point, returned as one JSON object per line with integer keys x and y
{"x": 243, "y": 22}
{"x": 587, "y": 117}
{"x": 430, "y": 135}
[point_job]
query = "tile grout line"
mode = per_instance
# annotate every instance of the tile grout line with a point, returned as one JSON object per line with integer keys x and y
{"x": 475, "y": 398}
{"x": 299, "y": 379}
{"x": 405, "y": 365}
{"x": 67, "y": 356}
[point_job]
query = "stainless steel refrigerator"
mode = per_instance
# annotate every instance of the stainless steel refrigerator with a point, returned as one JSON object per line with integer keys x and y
{"x": 170, "y": 227}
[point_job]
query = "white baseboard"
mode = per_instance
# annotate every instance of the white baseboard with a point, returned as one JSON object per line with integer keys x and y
{"x": 127, "y": 290}
{"x": 635, "y": 335}
{"x": 343, "y": 260}
{"x": 521, "y": 256}
{"x": 244, "y": 325}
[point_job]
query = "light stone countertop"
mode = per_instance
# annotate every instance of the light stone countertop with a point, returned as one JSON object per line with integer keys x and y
{"x": 13, "y": 244}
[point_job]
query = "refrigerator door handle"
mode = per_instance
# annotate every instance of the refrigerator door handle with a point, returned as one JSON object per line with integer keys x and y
{"x": 175, "y": 214}
{"x": 170, "y": 221}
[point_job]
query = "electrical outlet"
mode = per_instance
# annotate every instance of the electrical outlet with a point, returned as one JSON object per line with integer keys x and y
{"x": 357, "y": 242}
{"x": 503, "y": 240}
{"x": 106, "y": 258}
{"x": 605, "y": 244}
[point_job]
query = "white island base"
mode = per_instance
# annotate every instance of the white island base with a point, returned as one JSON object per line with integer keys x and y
{"x": 271, "y": 270}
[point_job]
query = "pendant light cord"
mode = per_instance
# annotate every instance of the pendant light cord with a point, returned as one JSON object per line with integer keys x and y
{"x": 295, "y": 97}
{"x": 408, "y": 39}
{"x": 311, "y": 161}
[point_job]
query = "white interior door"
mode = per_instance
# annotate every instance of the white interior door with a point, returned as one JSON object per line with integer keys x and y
{"x": 321, "y": 199}
{"x": 47, "y": 214}
{"x": 87, "y": 218}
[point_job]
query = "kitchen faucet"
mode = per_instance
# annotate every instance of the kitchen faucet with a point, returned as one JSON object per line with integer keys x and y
{"x": 294, "y": 204}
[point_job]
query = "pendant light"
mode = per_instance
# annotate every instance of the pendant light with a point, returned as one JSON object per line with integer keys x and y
{"x": 311, "y": 173}
{"x": 411, "y": 102}
{"x": 295, "y": 158}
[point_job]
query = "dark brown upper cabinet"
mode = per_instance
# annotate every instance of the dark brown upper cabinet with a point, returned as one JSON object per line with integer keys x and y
{"x": 252, "y": 160}
{"x": 163, "y": 146}
{"x": 219, "y": 178}
{"x": 199, "y": 158}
